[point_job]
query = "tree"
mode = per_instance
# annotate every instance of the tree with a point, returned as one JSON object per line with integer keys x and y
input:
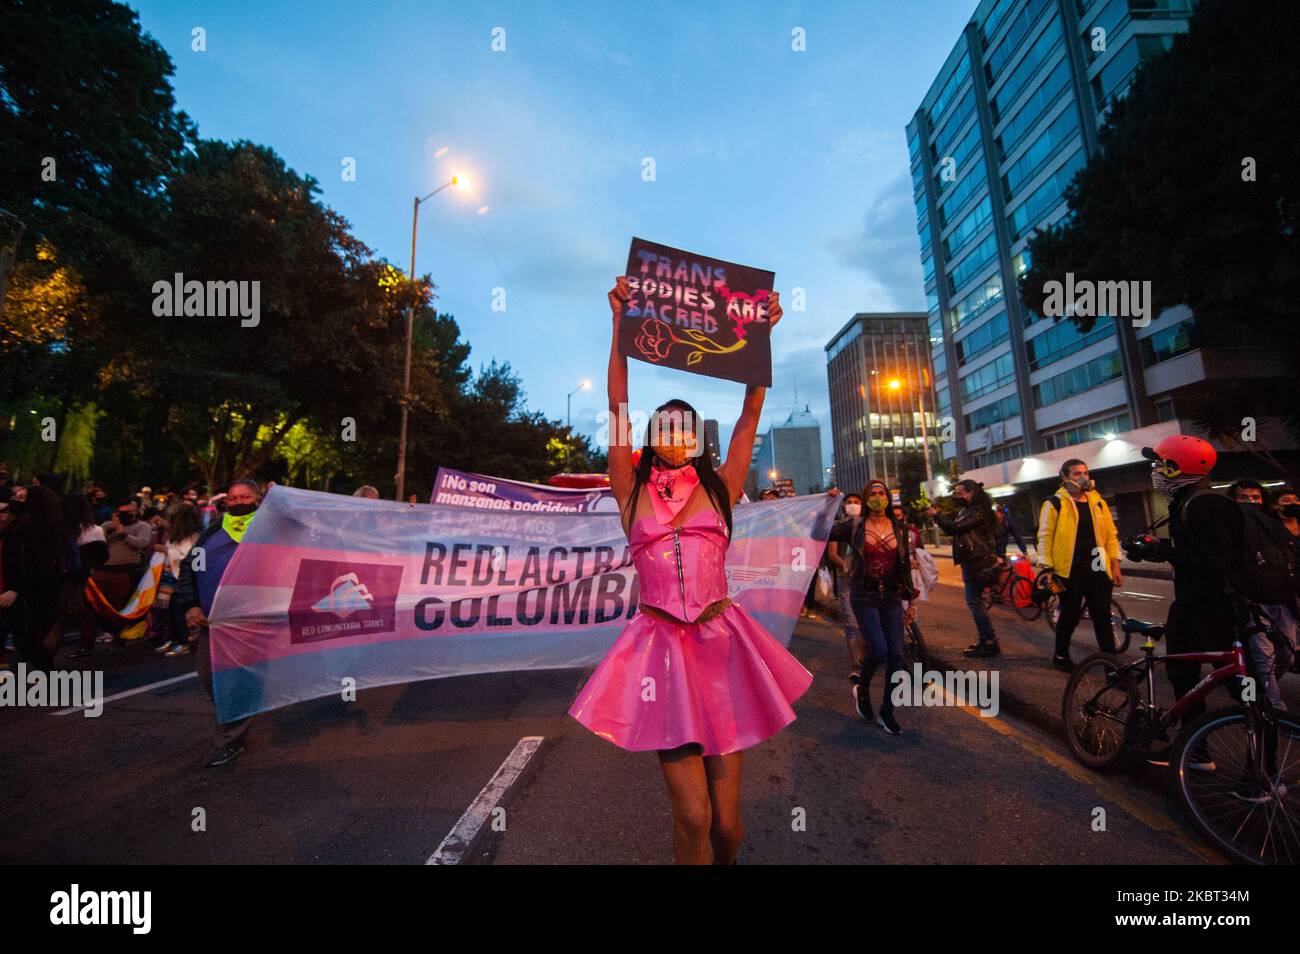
{"x": 1194, "y": 190}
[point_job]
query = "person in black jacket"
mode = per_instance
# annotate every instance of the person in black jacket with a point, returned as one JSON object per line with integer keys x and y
{"x": 974, "y": 550}
{"x": 34, "y": 555}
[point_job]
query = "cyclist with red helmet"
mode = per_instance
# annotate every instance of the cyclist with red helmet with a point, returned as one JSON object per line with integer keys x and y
{"x": 1201, "y": 528}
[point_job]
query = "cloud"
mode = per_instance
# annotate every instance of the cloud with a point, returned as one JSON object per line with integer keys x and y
{"x": 886, "y": 248}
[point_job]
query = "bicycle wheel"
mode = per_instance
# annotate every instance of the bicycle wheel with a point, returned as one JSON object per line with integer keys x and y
{"x": 1021, "y": 590}
{"x": 1051, "y": 611}
{"x": 1095, "y": 711}
{"x": 1117, "y": 617}
{"x": 1239, "y": 782}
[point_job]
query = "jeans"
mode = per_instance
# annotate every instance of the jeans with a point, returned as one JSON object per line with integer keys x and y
{"x": 880, "y": 617}
{"x": 1094, "y": 588}
{"x": 1268, "y": 658}
{"x": 975, "y": 603}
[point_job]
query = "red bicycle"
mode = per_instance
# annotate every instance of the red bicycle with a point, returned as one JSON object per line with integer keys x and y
{"x": 1236, "y": 770}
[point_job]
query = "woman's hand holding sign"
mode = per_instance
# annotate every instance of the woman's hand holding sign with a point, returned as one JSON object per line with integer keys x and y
{"x": 774, "y": 311}
{"x": 618, "y": 296}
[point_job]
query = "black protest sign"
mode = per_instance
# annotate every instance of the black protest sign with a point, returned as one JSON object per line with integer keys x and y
{"x": 697, "y": 314}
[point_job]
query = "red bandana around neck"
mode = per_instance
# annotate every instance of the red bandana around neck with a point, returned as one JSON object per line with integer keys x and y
{"x": 670, "y": 488}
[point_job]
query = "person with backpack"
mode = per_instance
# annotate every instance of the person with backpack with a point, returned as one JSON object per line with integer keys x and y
{"x": 1265, "y": 536}
{"x": 1077, "y": 541}
{"x": 1205, "y": 532}
{"x": 974, "y": 550}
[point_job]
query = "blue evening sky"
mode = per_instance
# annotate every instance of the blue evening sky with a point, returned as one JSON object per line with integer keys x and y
{"x": 791, "y": 161}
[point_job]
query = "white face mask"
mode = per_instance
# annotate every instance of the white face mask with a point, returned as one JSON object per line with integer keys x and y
{"x": 853, "y": 510}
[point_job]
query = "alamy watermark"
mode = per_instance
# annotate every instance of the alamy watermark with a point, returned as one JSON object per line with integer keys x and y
{"x": 195, "y": 299}
{"x": 76, "y": 689}
{"x": 1088, "y": 299}
{"x": 977, "y": 689}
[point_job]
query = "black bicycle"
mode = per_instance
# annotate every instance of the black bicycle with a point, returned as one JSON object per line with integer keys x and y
{"x": 1048, "y": 588}
{"x": 1236, "y": 770}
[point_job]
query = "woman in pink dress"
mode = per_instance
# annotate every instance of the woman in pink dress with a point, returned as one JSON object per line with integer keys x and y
{"x": 693, "y": 676}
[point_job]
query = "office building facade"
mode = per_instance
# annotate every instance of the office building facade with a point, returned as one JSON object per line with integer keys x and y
{"x": 791, "y": 450}
{"x": 879, "y": 376}
{"x": 1012, "y": 116}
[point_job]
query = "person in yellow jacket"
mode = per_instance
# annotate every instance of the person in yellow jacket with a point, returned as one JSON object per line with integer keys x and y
{"x": 1078, "y": 541}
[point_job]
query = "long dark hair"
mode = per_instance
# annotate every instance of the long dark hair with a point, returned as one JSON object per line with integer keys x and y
{"x": 41, "y": 524}
{"x": 981, "y": 500}
{"x": 78, "y": 514}
{"x": 713, "y": 483}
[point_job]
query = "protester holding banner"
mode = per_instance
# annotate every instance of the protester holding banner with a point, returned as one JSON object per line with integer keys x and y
{"x": 693, "y": 675}
{"x": 195, "y": 590}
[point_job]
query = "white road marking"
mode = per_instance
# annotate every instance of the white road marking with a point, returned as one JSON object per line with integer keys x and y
{"x": 131, "y": 692}
{"x": 1144, "y": 596}
{"x": 453, "y": 847}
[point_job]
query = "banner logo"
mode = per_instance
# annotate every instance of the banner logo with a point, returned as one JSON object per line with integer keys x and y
{"x": 330, "y": 600}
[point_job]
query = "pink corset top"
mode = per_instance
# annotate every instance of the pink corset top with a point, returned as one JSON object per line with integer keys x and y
{"x": 681, "y": 570}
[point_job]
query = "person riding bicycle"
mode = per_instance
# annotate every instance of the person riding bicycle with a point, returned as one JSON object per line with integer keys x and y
{"x": 1004, "y": 531}
{"x": 1077, "y": 541}
{"x": 1202, "y": 530}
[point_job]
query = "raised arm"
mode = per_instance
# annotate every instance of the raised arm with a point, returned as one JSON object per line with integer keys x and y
{"x": 620, "y": 432}
{"x": 741, "y": 448}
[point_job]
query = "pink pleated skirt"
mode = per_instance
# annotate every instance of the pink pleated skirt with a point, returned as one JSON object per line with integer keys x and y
{"x": 725, "y": 684}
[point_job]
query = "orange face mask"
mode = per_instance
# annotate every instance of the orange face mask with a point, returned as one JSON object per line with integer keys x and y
{"x": 676, "y": 453}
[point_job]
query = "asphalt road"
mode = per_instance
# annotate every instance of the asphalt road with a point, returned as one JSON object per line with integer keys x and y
{"x": 387, "y": 778}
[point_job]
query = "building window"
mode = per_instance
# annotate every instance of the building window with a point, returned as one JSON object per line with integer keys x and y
{"x": 1064, "y": 339}
{"x": 1063, "y": 128}
{"x": 1170, "y": 343}
{"x": 997, "y": 373}
{"x": 975, "y": 303}
{"x": 1045, "y": 47}
{"x": 1165, "y": 410}
{"x": 988, "y": 335}
{"x": 967, "y": 182}
{"x": 969, "y": 266}
{"x": 1082, "y": 433}
{"x": 1003, "y": 410}
{"x": 1035, "y": 107}
{"x": 1044, "y": 198}
{"x": 1010, "y": 452}
{"x": 1019, "y": 28}
{"x": 1085, "y": 377}
{"x": 968, "y": 228}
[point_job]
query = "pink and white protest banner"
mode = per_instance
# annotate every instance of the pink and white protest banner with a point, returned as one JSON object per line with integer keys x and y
{"x": 326, "y": 588}
{"x": 463, "y": 488}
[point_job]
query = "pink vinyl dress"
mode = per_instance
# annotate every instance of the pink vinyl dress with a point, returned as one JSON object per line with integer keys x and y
{"x": 725, "y": 683}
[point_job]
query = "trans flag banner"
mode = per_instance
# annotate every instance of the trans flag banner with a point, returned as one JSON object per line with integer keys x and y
{"x": 326, "y": 588}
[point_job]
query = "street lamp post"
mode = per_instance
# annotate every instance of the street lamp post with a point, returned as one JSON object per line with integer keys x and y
{"x": 410, "y": 331}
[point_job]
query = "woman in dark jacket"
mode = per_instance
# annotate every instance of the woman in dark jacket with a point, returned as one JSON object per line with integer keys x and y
{"x": 974, "y": 549}
{"x": 880, "y": 579}
{"x": 34, "y": 555}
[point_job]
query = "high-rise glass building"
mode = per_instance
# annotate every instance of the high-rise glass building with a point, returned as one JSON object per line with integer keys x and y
{"x": 1009, "y": 120}
{"x": 1011, "y": 117}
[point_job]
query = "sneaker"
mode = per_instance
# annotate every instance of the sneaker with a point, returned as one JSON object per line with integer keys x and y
{"x": 222, "y": 756}
{"x": 984, "y": 650}
{"x": 162, "y": 648}
{"x": 862, "y": 704}
{"x": 889, "y": 723}
{"x": 855, "y": 676}
{"x": 104, "y": 637}
{"x": 1063, "y": 663}
{"x": 178, "y": 649}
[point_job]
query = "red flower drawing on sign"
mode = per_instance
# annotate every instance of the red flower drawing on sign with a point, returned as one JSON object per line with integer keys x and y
{"x": 655, "y": 340}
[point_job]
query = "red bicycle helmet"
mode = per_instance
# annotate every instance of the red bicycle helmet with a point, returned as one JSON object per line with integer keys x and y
{"x": 1192, "y": 455}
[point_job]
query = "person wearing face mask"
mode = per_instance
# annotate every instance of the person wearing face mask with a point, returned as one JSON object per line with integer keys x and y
{"x": 1202, "y": 530}
{"x": 129, "y": 541}
{"x": 692, "y": 676}
{"x": 1077, "y": 541}
{"x": 974, "y": 550}
{"x": 880, "y": 584}
{"x": 1270, "y": 657}
{"x": 195, "y": 591}
{"x": 836, "y": 551}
